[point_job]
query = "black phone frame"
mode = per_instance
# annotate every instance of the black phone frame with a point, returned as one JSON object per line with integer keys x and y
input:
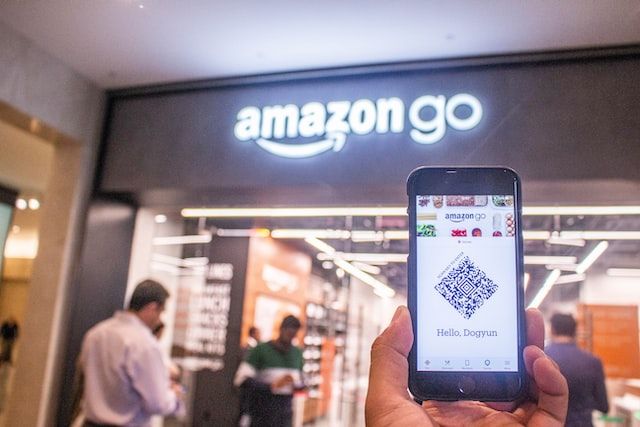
{"x": 446, "y": 386}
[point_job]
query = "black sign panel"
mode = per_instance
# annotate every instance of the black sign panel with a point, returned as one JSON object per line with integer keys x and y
{"x": 217, "y": 339}
{"x": 565, "y": 120}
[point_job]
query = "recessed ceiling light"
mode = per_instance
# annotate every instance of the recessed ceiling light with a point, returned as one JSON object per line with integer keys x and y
{"x": 160, "y": 219}
{"x": 34, "y": 204}
{"x": 21, "y": 204}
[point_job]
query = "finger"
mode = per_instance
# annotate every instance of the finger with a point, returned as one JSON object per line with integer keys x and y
{"x": 389, "y": 366}
{"x": 502, "y": 406}
{"x": 531, "y": 354}
{"x": 535, "y": 328}
{"x": 553, "y": 392}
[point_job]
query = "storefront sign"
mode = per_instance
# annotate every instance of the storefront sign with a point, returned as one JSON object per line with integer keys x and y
{"x": 334, "y": 122}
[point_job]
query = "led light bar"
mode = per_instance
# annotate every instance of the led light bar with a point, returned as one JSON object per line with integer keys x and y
{"x": 556, "y": 240}
{"x": 369, "y": 258}
{"x": 252, "y": 232}
{"x": 592, "y": 257}
{"x": 320, "y": 245}
{"x": 527, "y": 279}
{"x": 373, "y": 257}
{"x": 291, "y": 212}
{"x": 396, "y": 235}
{"x": 390, "y": 211}
{"x": 543, "y": 260}
{"x": 570, "y": 278}
{"x": 302, "y": 233}
{"x": 581, "y": 210}
{"x": 379, "y": 288}
{"x": 623, "y": 272}
{"x": 601, "y": 235}
{"x": 536, "y": 235}
{"x": 544, "y": 290}
{"x": 561, "y": 267}
{"x": 182, "y": 240}
{"x": 367, "y": 268}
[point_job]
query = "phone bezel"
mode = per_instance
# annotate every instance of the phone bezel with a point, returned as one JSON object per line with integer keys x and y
{"x": 488, "y": 386}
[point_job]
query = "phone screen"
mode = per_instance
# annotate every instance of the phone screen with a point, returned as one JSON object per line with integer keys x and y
{"x": 467, "y": 311}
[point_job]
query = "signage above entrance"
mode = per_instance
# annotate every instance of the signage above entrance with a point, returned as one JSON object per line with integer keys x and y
{"x": 331, "y": 123}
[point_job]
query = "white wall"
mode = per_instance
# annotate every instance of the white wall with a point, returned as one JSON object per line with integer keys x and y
{"x": 44, "y": 88}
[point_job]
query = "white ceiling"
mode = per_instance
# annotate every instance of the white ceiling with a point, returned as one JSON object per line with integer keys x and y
{"x": 118, "y": 43}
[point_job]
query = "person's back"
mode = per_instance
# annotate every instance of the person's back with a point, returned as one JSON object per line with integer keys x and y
{"x": 582, "y": 370}
{"x": 125, "y": 378}
{"x": 111, "y": 357}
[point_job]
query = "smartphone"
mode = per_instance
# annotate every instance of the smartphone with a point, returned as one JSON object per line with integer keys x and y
{"x": 465, "y": 284}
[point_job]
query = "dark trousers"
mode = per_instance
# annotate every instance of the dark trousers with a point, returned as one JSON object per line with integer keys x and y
{"x": 271, "y": 410}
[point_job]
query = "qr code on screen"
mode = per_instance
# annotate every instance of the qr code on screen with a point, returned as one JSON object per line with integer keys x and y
{"x": 466, "y": 287}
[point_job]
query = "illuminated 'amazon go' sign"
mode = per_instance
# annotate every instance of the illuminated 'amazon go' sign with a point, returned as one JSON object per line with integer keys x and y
{"x": 333, "y": 122}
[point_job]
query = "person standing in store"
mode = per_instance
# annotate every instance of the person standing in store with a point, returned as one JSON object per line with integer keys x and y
{"x": 9, "y": 332}
{"x": 583, "y": 371}
{"x": 125, "y": 377}
{"x": 253, "y": 340}
{"x": 271, "y": 373}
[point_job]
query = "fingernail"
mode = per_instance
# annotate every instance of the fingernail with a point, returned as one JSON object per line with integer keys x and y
{"x": 396, "y": 315}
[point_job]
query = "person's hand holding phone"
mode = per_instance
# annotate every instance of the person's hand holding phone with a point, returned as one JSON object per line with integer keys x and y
{"x": 389, "y": 404}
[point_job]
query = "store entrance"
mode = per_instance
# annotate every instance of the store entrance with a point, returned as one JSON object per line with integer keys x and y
{"x": 342, "y": 271}
{"x": 341, "y": 275}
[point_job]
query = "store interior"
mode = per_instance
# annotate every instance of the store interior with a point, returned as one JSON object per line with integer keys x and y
{"x": 343, "y": 271}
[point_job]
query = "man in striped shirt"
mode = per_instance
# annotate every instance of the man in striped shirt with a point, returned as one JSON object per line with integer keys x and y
{"x": 270, "y": 375}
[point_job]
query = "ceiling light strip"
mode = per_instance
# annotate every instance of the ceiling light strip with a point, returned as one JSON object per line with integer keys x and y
{"x": 543, "y": 260}
{"x": 389, "y": 211}
{"x": 181, "y": 240}
{"x": 601, "y": 235}
{"x": 367, "y": 268}
{"x": 570, "y": 278}
{"x": 592, "y": 257}
{"x": 291, "y": 212}
{"x": 536, "y": 235}
{"x": 581, "y": 210}
{"x": 623, "y": 272}
{"x": 301, "y": 233}
{"x": 380, "y": 288}
{"x": 373, "y": 257}
{"x": 252, "y": 232}
{"x": 544, "y": 290}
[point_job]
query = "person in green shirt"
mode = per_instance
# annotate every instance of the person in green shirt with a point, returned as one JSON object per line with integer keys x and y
{"x": 270, "y": 375}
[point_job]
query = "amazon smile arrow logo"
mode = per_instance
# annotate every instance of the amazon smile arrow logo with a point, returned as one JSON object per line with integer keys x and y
{"x": 299, "y": 151}
{"x": 334, "y": 121}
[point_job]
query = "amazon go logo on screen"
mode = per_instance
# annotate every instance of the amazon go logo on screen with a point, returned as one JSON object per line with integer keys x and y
{"x": 428, "y": 117}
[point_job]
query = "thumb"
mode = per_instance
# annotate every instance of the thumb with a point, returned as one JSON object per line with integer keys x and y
{"x": 389, "y": 372}
{"x": 553, "y": 392}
